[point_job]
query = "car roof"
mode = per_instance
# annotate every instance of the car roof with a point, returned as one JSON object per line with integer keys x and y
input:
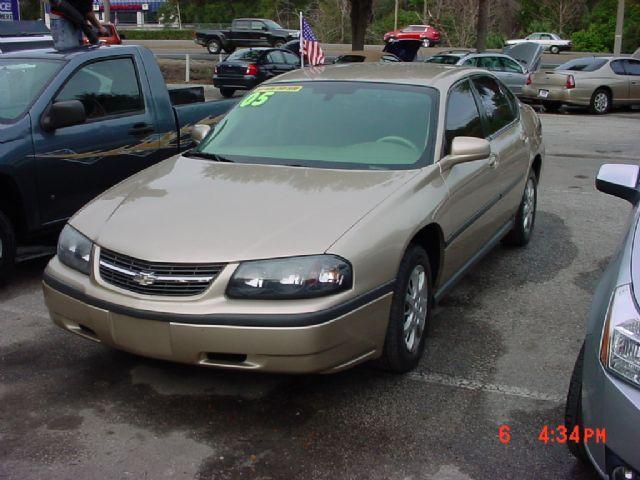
{"x": 53, "y": 54}
{"x": 402, "y": 73}
{"x": 253, "y": 18}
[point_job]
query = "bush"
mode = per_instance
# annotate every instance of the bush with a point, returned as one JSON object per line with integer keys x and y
{"x": 159, "y": 34}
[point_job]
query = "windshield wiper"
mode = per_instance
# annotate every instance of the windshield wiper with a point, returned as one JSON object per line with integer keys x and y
{"x": 208, "y": 156}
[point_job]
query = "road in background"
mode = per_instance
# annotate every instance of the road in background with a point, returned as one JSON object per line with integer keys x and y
{"x": 500, "y": 351}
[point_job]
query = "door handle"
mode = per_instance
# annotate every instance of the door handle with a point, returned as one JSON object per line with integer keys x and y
{"x": 493, "y": 160}
{"x": 141, "y": 129}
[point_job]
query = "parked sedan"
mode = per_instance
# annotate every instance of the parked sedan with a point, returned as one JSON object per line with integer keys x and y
{"x": 599, "y": 83}
{"x": 550, "y": 41}
{"x": 602, "y": 418}
{"x": 512, "y": 67}
{"x": 312, "y": 229}
{"x": 244, "y": 69}
{"x": 428, "y": 35}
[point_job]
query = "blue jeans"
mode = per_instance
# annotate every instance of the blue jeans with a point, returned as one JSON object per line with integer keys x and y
{"x": 65, "y": 34}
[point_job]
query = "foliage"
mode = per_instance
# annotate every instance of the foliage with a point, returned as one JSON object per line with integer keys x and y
{"x": 599, "y": 25}
{"x": 161, "y": 34}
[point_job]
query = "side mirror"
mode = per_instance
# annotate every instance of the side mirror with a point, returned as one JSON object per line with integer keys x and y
{"x": 199, "y": 132}
{"x": 63, "y": 114}
{"x": 466, "y": 149}
{"x": 619, "y": 180}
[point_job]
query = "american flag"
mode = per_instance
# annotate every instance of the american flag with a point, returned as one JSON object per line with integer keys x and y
{"x": 310, "y": 45}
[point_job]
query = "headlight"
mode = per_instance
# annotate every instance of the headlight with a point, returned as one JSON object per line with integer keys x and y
{"x": 74, "y": 249}
{"x": 291, "y": 278}
{"x": 620, "y": 347}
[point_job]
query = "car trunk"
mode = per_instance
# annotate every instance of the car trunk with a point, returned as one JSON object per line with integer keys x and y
{"x": 231, "y": 69}
{"x": 550, "y": 78}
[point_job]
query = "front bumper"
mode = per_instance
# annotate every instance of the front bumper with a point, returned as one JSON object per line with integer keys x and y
{"x": 346, "y": 336}
{"x": 557, "y": 96}
{"x": 612, "y": 404}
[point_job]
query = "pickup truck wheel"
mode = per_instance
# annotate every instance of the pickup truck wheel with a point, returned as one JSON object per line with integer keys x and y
{"x": 214, "y": 47}
{"x": 525, "y": 219}
{"x": 7, "y": 246}
{"x": 227, "y": 92}
{"x": 600, "y": 102}
{"x": 278, "y": 43}
{"x": 555, "y": 49}
{"x": 573, "y": 409}
{"x": 410, "y": 313}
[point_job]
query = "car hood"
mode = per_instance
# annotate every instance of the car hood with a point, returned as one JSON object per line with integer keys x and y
{"x": 527, "y": 53}
{"x": 190, "y": 210}
{"x": 405, "y": 50}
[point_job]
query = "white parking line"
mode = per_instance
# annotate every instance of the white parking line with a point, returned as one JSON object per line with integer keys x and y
{"x": 468, "y": 384}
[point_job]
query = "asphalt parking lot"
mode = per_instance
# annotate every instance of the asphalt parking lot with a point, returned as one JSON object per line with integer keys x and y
{"x": 500, "y": 352}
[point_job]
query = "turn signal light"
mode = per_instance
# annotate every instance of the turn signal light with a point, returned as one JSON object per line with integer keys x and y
{"x": 571, "y": 82}
{"x": 252, "y": 69}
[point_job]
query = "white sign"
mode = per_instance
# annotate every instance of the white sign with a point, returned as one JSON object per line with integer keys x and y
{"x": 145, "y": 6}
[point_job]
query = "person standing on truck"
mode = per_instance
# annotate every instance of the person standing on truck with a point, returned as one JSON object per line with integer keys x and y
{"x": 70, "y": 19}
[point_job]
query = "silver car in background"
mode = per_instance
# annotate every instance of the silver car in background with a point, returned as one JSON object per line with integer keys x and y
{"x": 602, "y": 418}
{"x": 549, "y": 41}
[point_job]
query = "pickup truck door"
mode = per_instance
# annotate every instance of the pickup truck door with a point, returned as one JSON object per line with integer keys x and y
{"x": 118, "y": 138}
{"x": 259, "y": 34}
{"x": 241, "y": 33}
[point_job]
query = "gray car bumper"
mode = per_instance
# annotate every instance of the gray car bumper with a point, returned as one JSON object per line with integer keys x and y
{"x": 612, "y": 404}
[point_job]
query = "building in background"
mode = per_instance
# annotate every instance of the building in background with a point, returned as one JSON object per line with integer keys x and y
{"x": 130, "y": 12}
{"x": 9, "y": 10}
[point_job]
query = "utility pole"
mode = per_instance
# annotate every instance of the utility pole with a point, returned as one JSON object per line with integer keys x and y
{"x": 617, "y": 45}
{"x": 107, "y": 11}
{"x": 395, "y": 16}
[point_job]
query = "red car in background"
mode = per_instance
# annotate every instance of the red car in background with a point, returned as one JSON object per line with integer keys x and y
{"x": 429, "y": 35}
{"x": 111, "y": 38}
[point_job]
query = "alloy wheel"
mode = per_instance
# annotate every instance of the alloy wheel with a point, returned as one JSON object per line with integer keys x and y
{"x": 415, "y": 308}
{"x": 601, "y": 102}
{"x": 528, "y": 206}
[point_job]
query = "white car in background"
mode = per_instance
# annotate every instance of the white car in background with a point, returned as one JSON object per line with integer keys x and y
{"x": 550, "y": 41}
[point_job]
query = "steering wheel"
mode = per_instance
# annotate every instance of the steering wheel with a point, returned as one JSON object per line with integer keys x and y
{"x": 399, "y": 141}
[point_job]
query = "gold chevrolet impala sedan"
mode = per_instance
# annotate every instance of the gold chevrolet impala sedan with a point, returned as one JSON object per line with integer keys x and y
{"x": 312, "y": 229}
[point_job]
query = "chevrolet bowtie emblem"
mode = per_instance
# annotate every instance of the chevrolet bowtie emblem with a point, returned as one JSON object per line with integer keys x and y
{"x": 145, "y": 279}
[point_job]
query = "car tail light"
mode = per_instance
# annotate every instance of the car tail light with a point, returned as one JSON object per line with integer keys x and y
{"x": 571, "y": 82}
{"x": 252, "y": 69}
{"x": 529, "y": 81}
{"x": 215, "y": 70}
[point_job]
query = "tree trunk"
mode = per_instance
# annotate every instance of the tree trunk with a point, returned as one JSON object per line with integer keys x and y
{"x": 360, "y": 15}
{"x": 481, "y": 27}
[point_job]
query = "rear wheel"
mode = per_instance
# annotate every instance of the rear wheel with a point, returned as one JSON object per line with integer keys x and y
{"x": 573, "y": 409}
{"x": 214, "y": 46}
{"x": 7, "y": 246}
{"x": 426, "y": 43}
{"x": 278, "y": 43}
{"x": 227, "y": 92}
{"x": 410, "y": 313}
{"x": 600, "y": 102}
{"x": 525, "y": 219}
{"x": 555, "y": 49}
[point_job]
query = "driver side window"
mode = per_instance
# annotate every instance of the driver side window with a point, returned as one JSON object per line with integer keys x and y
{"x": 105, "y": 88}
{"x": 463, "y": 118}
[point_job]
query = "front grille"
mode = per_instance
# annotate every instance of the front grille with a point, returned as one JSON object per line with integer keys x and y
{"x": 155, "y": 278}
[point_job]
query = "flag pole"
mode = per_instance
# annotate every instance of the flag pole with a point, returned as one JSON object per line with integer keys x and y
{"x": 301, "y": 38}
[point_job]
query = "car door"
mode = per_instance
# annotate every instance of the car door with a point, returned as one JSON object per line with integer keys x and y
{"x": 512, "y": 74}
{"x": 546, "y": 40}
{"x": 494, "y": 65}
{"x": 619, "y": 81}
{"x": 274, "y": 64}
{"x": 509, "y": 142}
{"x": 76, "y": 163}
{"x": 259, "y": 33}
{"x": 473, "y": 186}
{"x": 632, "y": 69}
{"x": 292, "y": 61}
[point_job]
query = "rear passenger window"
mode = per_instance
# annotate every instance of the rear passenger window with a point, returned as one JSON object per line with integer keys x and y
{"x": 632, "y": 67}
{"x": 618, "y": 67}
{"x": 463, "y": 119}
{"x": 291, "y": 59}
{"x": 105, "y": 88}
{"x": 275, "y": 57}
{"x": 470, "y": 62}
{"x": 495, "y": 103}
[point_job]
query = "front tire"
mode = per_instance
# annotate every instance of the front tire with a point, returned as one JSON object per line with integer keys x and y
{"x": 525, "y": 219}
{"x": 600, "y": 102}
{"x": 555, "y": 49}
{"x": 227, "y": 92}
{"x": 7, "y": 246}
{"x": 426, "y": 43}
{"x": 410, "y": 313}
{"x": 573, "y": 409}
{"x": 214, "y": 46}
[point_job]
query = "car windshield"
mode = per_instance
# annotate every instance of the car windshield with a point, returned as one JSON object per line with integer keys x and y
{"x": 583, "y": 64}
{"x": 21, "y": 81}
{"x": 351, "y": 125}
{"x": 245, "y": 55}
{"x": 271, "y": 24}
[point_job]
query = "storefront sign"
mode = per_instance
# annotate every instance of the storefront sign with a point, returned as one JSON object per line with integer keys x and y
{"x": 9, "y": 10}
